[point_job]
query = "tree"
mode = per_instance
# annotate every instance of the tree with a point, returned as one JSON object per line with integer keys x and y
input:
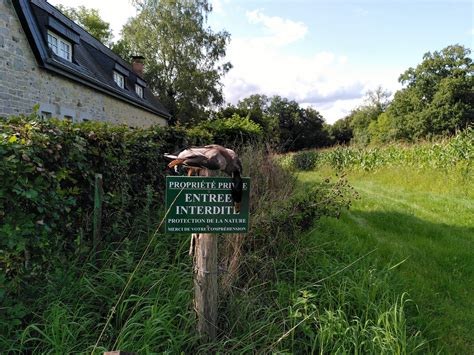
{"x": 438, "y": 97}
{"x": 361, "y": 118}
{"x": 182, "y": 56}
{"x": 91, "y": 21}
{"x": 298, "y": 128}
{"x": 256, "y": 107}
{"x": 341, "y": 131}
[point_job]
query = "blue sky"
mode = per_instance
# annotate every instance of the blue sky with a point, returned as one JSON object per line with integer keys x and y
{"x": 324, "y": 54}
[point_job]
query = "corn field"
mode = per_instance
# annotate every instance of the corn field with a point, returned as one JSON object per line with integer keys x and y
{"x": 451, "y": 153}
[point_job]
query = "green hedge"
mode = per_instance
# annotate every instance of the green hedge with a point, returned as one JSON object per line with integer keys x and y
{"x": 47, "y": 171}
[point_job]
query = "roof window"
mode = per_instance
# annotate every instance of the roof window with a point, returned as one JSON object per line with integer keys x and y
{"x": 119, "y": 79}
{"x": 139, "y": 90}
{"x": 60, "y": 46}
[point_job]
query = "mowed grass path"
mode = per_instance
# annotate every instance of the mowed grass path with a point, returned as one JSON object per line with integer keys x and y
{"x": 422, "y": 226}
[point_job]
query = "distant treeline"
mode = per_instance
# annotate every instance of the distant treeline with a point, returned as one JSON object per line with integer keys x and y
{"x": 437, "y": 100}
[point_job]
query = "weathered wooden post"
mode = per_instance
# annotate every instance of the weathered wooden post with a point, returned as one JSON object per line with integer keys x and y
{"x": 97, "y": 222}
{"x": 205, "y": 280}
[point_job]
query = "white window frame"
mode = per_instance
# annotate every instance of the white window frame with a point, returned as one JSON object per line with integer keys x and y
{"x": 119, "y": 79}
{"x": 139, "y": 90}
{"x": 61, "y": 47}
{"x": 45, "y": 115}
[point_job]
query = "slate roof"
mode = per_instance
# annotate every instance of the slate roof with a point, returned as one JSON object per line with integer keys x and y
{"x": 92, "y": 62}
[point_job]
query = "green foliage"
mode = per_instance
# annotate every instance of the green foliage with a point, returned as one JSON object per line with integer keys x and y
{"x": 47, "y": 171}
{"x": 363, "y": 119}
{"x": 182, "y": 55}
{"x": 437, "y": 99}
{"x": 298, "y": 128}
{"x": 235, "y": 130}
{"x": 341, "y": 131}
{"x": 305, "y": 160}
{"x": 285, "y": 125}
{"x": 455, "y": 153}
{"x": 91, "y": 21}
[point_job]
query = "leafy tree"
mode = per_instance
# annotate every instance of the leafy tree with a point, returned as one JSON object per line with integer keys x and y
{"x": 256, "y": 107}
{"x": 298, "y": 128}
{"x": 361, "y": 118}
{"x": 382, "y": 130}
{"x": 438, "y": 97}
{"x": 182, "y": 56}
{"x": 312, "y": 131}
{"x": 284, "y": 124}
{"x": 91, "y": 21}
{"x": 341, "y": 131}
{"x": 286, "y": 114}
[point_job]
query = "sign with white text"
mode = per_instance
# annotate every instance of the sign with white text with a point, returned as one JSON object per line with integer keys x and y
{"x": 204, "y": 205}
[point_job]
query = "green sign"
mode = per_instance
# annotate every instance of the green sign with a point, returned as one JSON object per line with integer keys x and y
{"x": 204, "y": 205}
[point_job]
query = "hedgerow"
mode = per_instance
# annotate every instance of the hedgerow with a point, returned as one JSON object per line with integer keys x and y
{"x": 47, "y": 170}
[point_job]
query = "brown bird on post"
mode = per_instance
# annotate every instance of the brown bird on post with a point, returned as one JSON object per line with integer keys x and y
{"x": 212, "y": 157}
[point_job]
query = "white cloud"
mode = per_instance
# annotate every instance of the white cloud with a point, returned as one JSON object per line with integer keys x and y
{"x": 325, "y": 80}
{"x": 360, "y": 12}
{"x": 280, "y": 31}
{"x": 117, "y": 16}
{"x": 217, "y": 6}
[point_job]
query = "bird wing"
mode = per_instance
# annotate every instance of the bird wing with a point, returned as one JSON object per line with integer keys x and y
{"x": 170, "y": 156}
{"x": 192, "y": 153}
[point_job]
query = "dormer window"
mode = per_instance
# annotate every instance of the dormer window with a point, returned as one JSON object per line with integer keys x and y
{"x": 60, "y": 46}
{"x": 119, "y": 79}
{"x": 139, "y": 90}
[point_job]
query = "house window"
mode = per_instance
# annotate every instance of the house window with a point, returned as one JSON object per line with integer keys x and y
{"x": 45, "y": 114}
{"x": 139, "y": 90}
{"x": 119, "y": 79}
{"x": 60, "y": 46}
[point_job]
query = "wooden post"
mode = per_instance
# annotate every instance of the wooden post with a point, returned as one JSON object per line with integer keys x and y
{"x": 205, "y": 281}
{"x": 97, "y": 223}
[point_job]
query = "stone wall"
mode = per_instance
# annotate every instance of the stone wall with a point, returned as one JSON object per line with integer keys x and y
{"x": 23, "y": 84}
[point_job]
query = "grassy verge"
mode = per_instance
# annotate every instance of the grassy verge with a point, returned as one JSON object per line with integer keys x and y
{"x": 292, "y": 293}
{"x": 316, "y": 300}
{"x": 421, "y": 225}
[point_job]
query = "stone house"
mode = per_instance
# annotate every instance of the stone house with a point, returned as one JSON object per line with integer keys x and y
{"x": 48, "y": 60}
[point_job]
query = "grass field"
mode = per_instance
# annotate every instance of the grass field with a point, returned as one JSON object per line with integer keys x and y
{"x": 421, "y": 225}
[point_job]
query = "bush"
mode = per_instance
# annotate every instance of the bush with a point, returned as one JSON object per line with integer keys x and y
{"x": 48, "y": 168}
{"x": 234, "y": 131}
{"x": 305, "y": 160}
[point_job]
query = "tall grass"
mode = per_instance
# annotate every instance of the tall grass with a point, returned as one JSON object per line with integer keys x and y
{"x": 287, "y": 293}
{"x": 417, "y": 210}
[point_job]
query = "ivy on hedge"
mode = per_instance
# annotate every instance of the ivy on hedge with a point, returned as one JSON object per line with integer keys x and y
{"x": 47, "y": 169}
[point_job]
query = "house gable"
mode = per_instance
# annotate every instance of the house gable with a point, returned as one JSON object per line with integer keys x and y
{"x": 24, "y": 33}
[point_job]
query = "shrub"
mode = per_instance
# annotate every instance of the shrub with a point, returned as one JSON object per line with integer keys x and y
{"x": 47, "y": 169}
{"x": 305, "y": 160}
{"x": 232, "y": 131}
